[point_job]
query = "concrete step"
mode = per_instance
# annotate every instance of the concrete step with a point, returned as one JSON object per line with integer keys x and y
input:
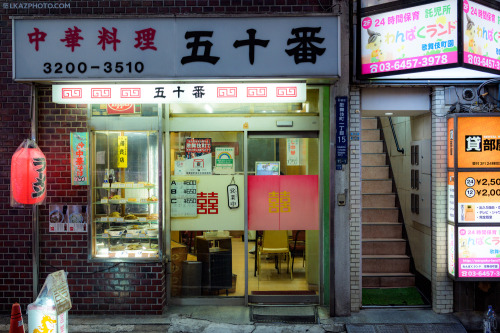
{"x": 385, "y": 264}
{"x": 382, "y": 230}
{"x": 375, "y": 172}
{"x": 388, "y": 280}
{"x": 383, "y": 246}
{"x": 372, "y": 147}
{"x": 370, "y": 134}
{"x": 373, "y": 159}
{"x": 368, "y": 123}
{"x": 378, "y": 200}
{"x": 376, "y": 186}
{"x": 379, "y": 215}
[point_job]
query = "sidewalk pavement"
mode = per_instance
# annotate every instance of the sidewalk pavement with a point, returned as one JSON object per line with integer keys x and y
{"x": 221, "y": 319}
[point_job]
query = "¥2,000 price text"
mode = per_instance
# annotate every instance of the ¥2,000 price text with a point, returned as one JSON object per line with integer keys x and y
{"x": 396, "y": 65}
{"x": 82, "y": 67}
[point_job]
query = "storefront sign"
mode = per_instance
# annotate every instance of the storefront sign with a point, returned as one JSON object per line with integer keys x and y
{"x": 292, "y": 151}
{"x": 180, "y": 93}
{"x": 283, "y": 203}
{"x": 183, "y": 198}
{"x": 341, "y": 112}
{"x": 451, "y": 197}
{"x": 479, "y": 197}
{"x": 162, "y": 48}
{"x": 478, "y": 142}
{"x": 122, "y": 151}
{"x": 79, "y": 158}
{"x": 479, "y": 252}
{"x": 410, "y": 39}
{"x": 481, "y": 32}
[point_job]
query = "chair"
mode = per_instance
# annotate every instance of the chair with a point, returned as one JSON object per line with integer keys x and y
{"x": 297, "y": 244}
{"x": 275, "y": 242}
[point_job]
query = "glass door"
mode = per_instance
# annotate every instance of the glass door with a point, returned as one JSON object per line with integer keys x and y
{"x": 283, "y": 217}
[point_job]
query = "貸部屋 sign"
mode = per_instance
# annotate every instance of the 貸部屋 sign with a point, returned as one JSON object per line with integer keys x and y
{"x": 246, "y": 47}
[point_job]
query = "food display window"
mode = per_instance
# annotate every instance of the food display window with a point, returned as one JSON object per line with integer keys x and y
{"x": 125, "y": 191}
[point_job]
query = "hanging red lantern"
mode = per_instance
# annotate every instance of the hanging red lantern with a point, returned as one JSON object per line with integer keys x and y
{"x": 28, "y": 175}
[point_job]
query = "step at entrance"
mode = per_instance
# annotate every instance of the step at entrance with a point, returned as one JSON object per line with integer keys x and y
{"x": 385, "y": 263}
{"x": 296, "y": 314}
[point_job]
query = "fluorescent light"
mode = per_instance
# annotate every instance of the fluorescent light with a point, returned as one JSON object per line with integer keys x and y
{"x": 389, "y": 113}
{"x": 208, "y": 108}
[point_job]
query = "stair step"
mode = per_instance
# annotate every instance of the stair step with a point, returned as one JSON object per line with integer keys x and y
{"x": 388, "y": 280}
{"x": 373, "y": 159}
{"x": 383, "y": 246}
{"x": 368, "y": 123}
{"x": 382, "y": 230}
{"x": 376, "y": 186}
{"x": 379, "y": 200}
{"x": 375, "y": 172}
{"x": 385, "y": 264}
{"x": 372, "y": 147}
{"x": 370, "y": 134}
{"x": 379, "y": 215}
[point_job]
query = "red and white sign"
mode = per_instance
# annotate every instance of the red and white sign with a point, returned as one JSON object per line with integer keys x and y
{"x": 120, "y": 108}
{"x": 180, "y": 93}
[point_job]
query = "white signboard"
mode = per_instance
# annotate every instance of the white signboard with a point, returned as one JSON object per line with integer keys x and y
{"x": 213, "y": 211}
{"x": 200, "y": 165}
{"x": 183, "y": 198}
{"x": 163, "y": 48}
{"x": 180, "y": 93}
{"x": 224, "y": 160}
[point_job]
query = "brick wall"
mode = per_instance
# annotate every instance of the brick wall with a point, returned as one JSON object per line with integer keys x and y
{"x": 125, "y": 288}
{"x": 442, "y": 286}
{"x": 355, "y": 199}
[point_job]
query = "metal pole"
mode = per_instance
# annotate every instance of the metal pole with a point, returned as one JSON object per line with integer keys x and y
{"x": 35, "y": 243}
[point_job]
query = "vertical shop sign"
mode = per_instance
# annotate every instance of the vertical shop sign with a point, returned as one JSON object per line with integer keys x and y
{"x": 292, "y": 152}
{"x": 451, "y": 250}
{"x": 183, "y": 198}
{"x": 79, "y": 158}
{"x": 341, "y": 125}
{"x": 122, "y": 151}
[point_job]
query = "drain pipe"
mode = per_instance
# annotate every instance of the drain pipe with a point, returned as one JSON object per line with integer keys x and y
{"x": 35, "y": 243}
{"x": 401, "y": 150}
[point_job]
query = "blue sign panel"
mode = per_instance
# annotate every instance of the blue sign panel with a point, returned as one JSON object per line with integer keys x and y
{"x": 341, "y": 137}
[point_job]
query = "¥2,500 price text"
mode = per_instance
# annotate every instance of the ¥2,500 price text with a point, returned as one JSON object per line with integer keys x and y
{"x": 82, "y": 67}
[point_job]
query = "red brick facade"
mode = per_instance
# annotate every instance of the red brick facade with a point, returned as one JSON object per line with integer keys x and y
{"x": 95, "y": 287}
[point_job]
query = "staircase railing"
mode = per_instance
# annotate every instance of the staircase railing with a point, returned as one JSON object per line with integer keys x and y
{"x": 401, "y": 150}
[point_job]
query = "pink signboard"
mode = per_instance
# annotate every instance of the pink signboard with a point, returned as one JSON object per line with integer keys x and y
{"x": 410, "y": 38}
{"x": 479, "y": 252}
{"x": 481, "y": 34}
{"x": 283, "y": 203}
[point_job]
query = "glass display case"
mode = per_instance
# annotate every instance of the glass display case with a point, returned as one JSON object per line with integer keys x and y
{"x": 125, "y": 190}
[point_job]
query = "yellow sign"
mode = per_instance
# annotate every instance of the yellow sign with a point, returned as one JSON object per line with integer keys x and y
{"x": 122, "y": 151}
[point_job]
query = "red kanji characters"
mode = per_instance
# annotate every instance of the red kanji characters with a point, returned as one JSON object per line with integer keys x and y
{"x": 37, "y": 37}
{"x": 72, "y": 38}
{"x": 108, "y": 37}
{"x": 145, "y": 39}
{"x": 207, "y": 203}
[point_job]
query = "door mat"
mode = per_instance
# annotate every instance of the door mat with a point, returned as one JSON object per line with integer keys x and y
{"x": 392, "y": 296}
{"x": 284, "y": 314}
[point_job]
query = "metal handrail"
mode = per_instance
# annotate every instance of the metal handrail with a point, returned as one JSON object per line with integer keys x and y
{"x": 401, "y": 150}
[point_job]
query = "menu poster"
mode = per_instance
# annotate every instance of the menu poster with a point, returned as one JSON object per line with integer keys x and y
{"x": 183, "y": 198}
{"x": 68, "y": 218}
{"x": 479, "y": 252}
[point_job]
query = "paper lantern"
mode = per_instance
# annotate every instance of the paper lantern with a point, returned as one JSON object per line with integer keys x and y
{"x": 28, "y": 182}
